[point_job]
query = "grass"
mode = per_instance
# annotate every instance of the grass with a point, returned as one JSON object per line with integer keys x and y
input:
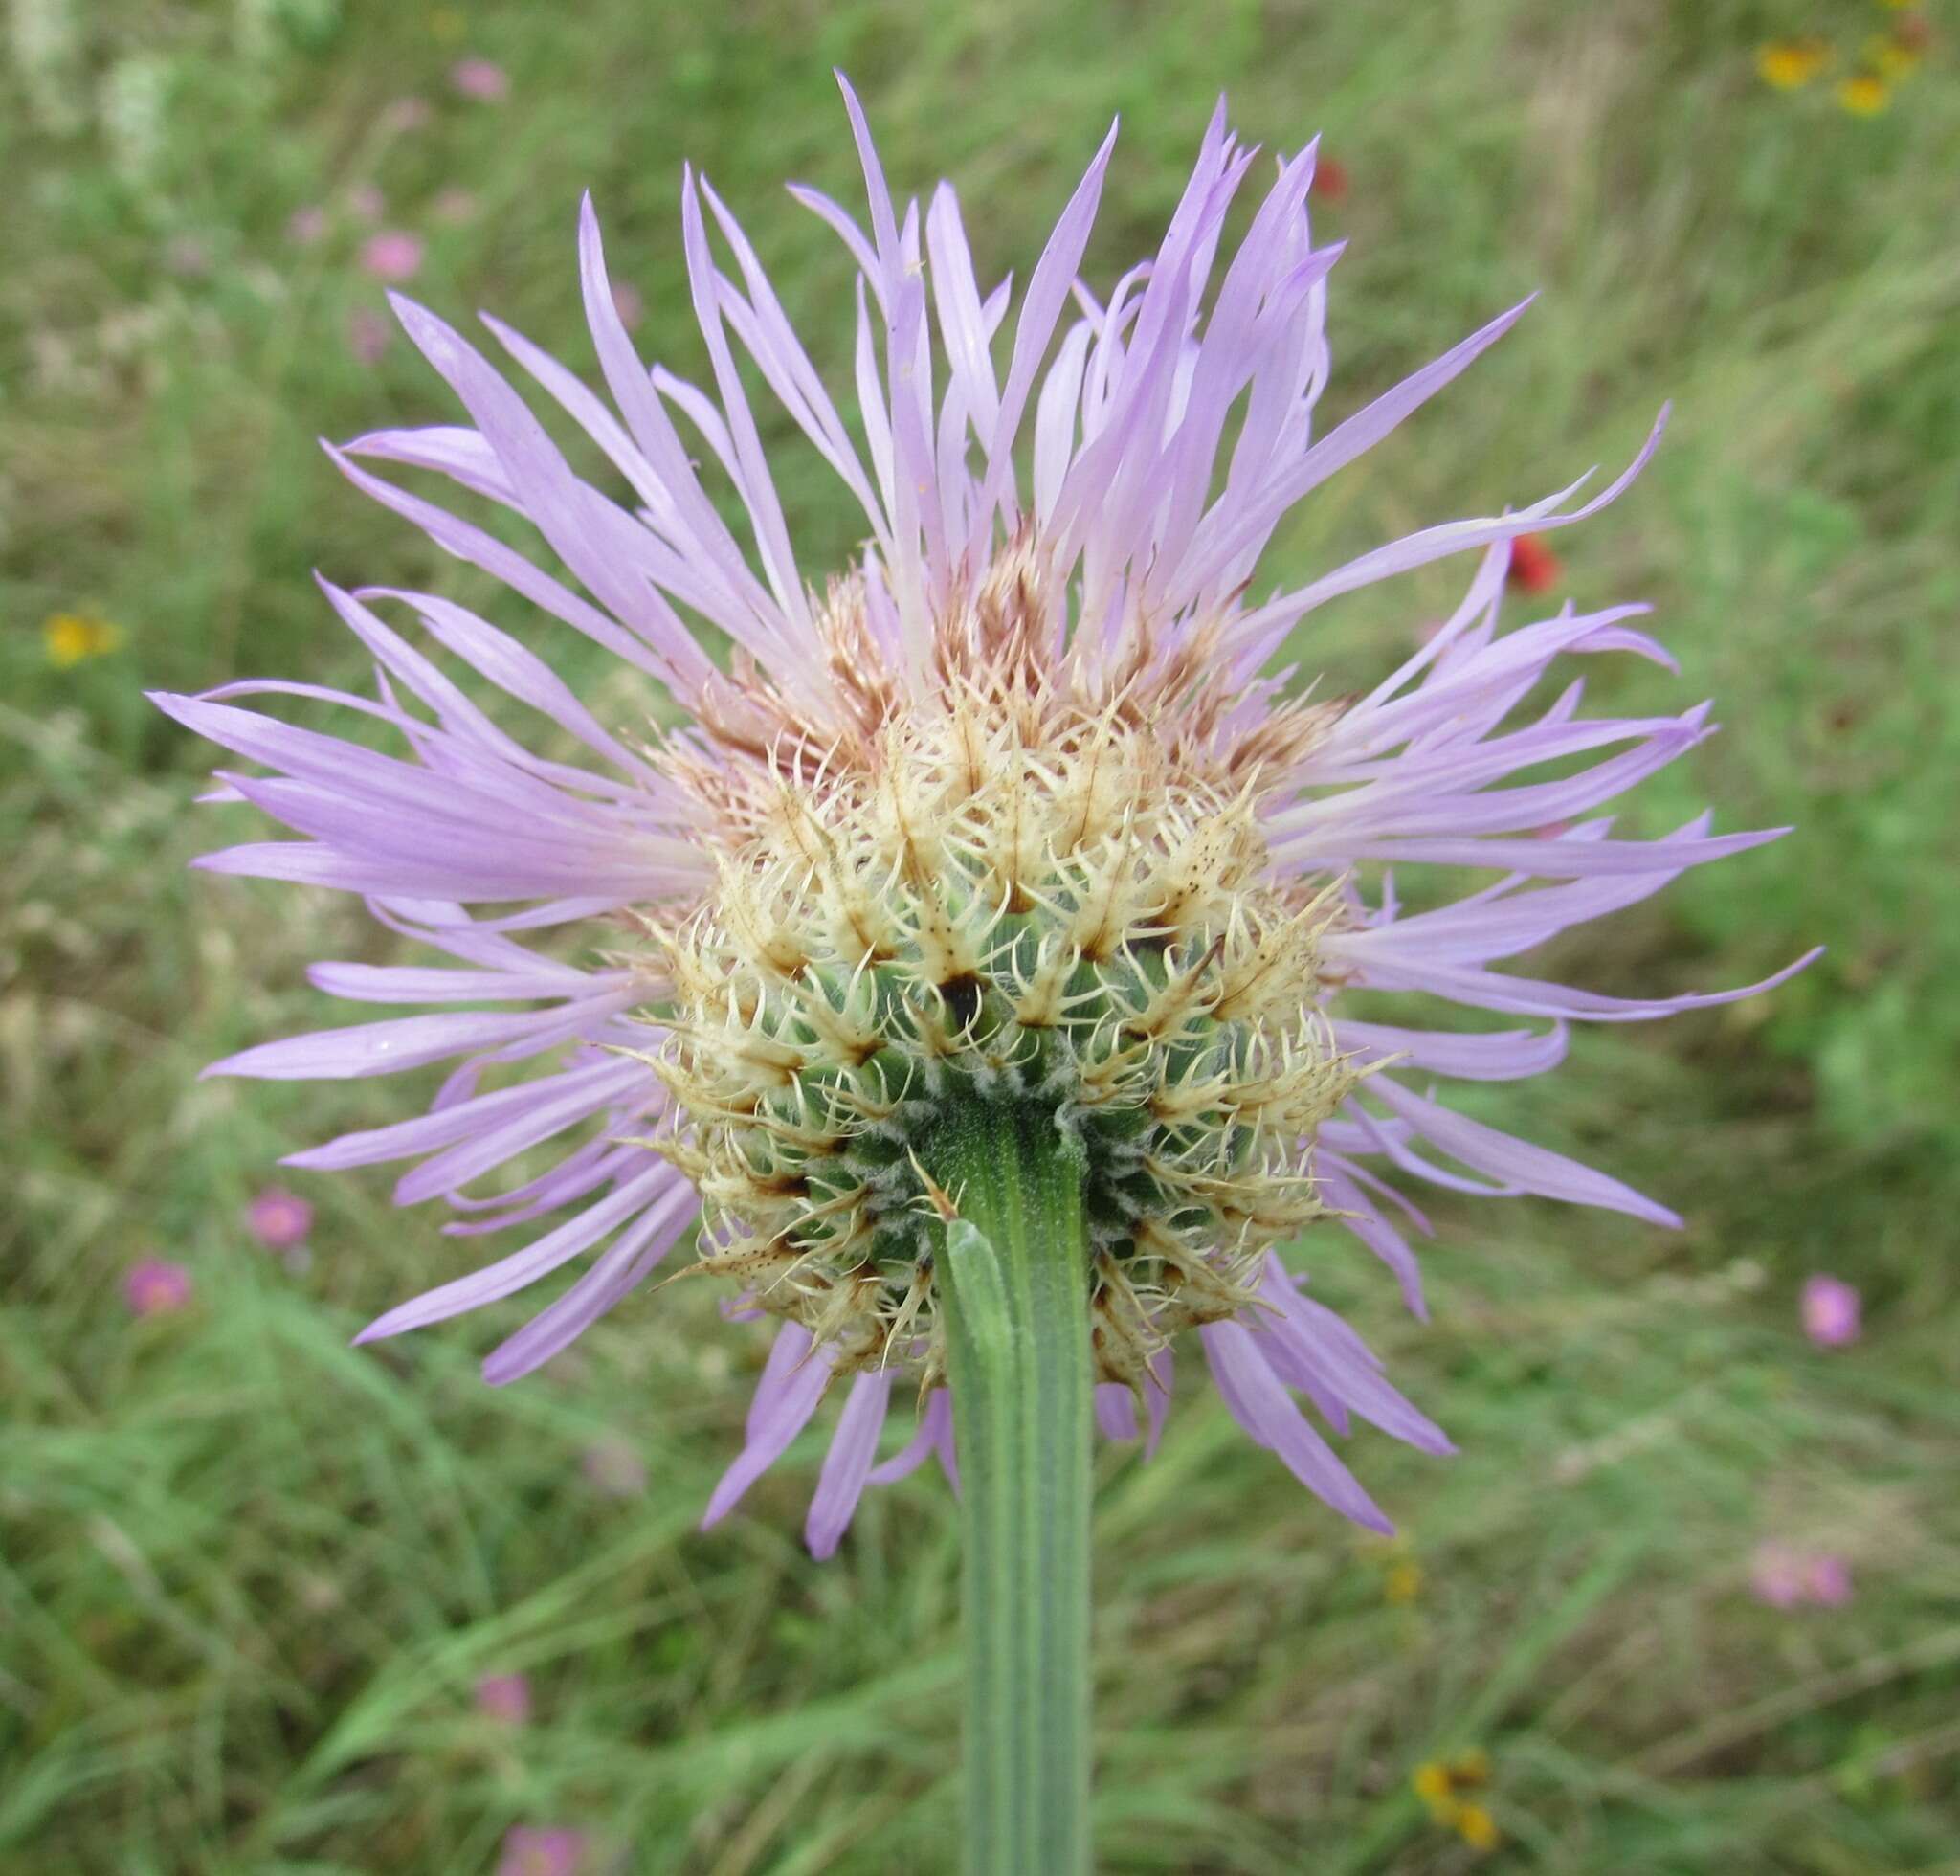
{"x": 247, "y": 1575}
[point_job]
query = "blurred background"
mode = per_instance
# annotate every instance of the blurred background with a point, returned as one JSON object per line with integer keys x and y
{"x": 1688, "y": 1600}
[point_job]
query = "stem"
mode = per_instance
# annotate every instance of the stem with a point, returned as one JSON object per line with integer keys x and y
{"x": 1016, "y": 1285}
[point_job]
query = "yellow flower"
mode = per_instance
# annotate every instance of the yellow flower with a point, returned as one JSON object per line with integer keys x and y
{"x": 1431, "y": 1783}
{"x": 1403, "y": 1583}
{"x": 1865, "y": 96}
{"x": 1475, "y": 1827}
{"x": 72, "y": 638}
{"x": 1890, "y": 58}
{"x": 1790, "y": 63}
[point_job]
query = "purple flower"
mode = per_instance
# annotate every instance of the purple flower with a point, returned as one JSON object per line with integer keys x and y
{"x": 279, "y": 1219}
{"x": 1830, "y": 1313}
{"x": 1827, "y": 1581}
{"x": 504, "y": 1697}
{"x": 154, "y": 1288}
{"x": 529, "y": 1851}
{"x": 481, "y": 78}
{"x": 1171, "y": 425}
{"x": 392, "y": 254}
{"x": 1785, "y": 1577}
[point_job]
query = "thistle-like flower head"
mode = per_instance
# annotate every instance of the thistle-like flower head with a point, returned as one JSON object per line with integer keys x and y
{"x": 1011, "y": 811}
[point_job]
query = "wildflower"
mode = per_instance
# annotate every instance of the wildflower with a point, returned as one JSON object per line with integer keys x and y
{"x": 306, "y": 226}
{"x": 1864, "y": 95}
{"x": 369, "y": 335}
{"x": 393, "y": 255}
{"x": 506, "y": 1698}
{"x": 279, "y": 1219}
{"x": 1892, "y": 55}
{"x": 481, "y": 78}
{"x": 1441, "y": 1785}
{"x": 1784, "y": 1576}
{"x": 1831, "y": 1312}
{"x": 1009, "y": 820}
{"x": 1330, "y": 179}
{"x": 528, "y": 1851}
{"x": 72, "y": 639}
{"x": 1534, "y": 567}
{"x": 154, "y": 1288}
{"x": 1827, "y": 1581}
{"x": 1402, "y": 1583}
{"x": 1789, "y": 64}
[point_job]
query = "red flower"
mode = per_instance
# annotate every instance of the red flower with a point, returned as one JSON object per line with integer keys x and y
{"x": 1534, "y": 567}
{"x": 1330, "y": 179}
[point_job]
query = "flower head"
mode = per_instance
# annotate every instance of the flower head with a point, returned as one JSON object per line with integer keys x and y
{"x": 1831, "y": 1311}
{"x": 155, "y": 1288}
{"x": 506, "y": 1698}
{"x": 70, "y": 639}
{"x": 1864, "y": 94}
{"x": 279, "y": 1219}
{"x": 1014, "y": 810}
{"x": 393, "y": 255}
{"x": 532, "y": 1851}
{"x": 481, "y": 78}
{"x": 1789, "y": 64}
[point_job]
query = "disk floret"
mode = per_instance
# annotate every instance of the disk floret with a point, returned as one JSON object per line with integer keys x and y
{"x": 995, "y": 912}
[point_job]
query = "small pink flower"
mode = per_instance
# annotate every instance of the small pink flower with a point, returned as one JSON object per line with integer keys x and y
{"x": 481, "y": 78}
{"x": 628, "y": 304}
{"x": 156, "y": 1289}
{"x": 453, "y": 205}
{"x": 393, "y": 255}
{"x": 528, "y": 1851}
{"x": 306, "y": 226}
{"x": 365, "y": 202}
{"x": 406, "y": 114}
{"x": 505, "y": 1697}
{"x": 1830, "y": 1313}
{"x": 1776, "y": 1575}
{"x": 367, "y": 334}
{"x": 613, "y": 1469}
{"x": 279, "y": 1219}
{"x": 1827, "y": 1581}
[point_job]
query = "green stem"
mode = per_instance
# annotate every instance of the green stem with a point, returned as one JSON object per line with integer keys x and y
{"x": 1016, "y": 1292}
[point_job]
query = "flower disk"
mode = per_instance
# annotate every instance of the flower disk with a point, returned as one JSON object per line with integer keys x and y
{"x": 997, "y": 912}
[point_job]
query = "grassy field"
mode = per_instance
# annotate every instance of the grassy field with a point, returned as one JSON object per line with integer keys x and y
{"x": 249, "y": 1576}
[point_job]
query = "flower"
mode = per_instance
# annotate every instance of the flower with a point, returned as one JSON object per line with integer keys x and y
{"x": 1012, "y": 811}
{"x": 393, "y": 255}
{"x": 1330, "y": 179}
{"x": 481, "y": 78}
{"x": 1534, "y": 567}
{"x": 154, "y": 1288}
{"x": 404, "y": 115}
{"x": 72, "y": 639}
{"x": 529, "y": 1851}
{"x": 279, "y": 1219}
{"x": 1402, "y": 1583}
{"x": 1831, "y": 1312}
{"x": 1864, "y": 95}
{"x": 506, "y": 1698}
{"x": 306, "y": 226}
{"x": 1789, "y": 64}
{"x": 1893, "y": 56}
{"x": 1784, "y": 1576}
{"x": 1440, "y": 1784}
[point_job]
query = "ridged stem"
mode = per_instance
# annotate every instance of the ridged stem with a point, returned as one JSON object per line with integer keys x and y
{"x": 1015, "y": 1291}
